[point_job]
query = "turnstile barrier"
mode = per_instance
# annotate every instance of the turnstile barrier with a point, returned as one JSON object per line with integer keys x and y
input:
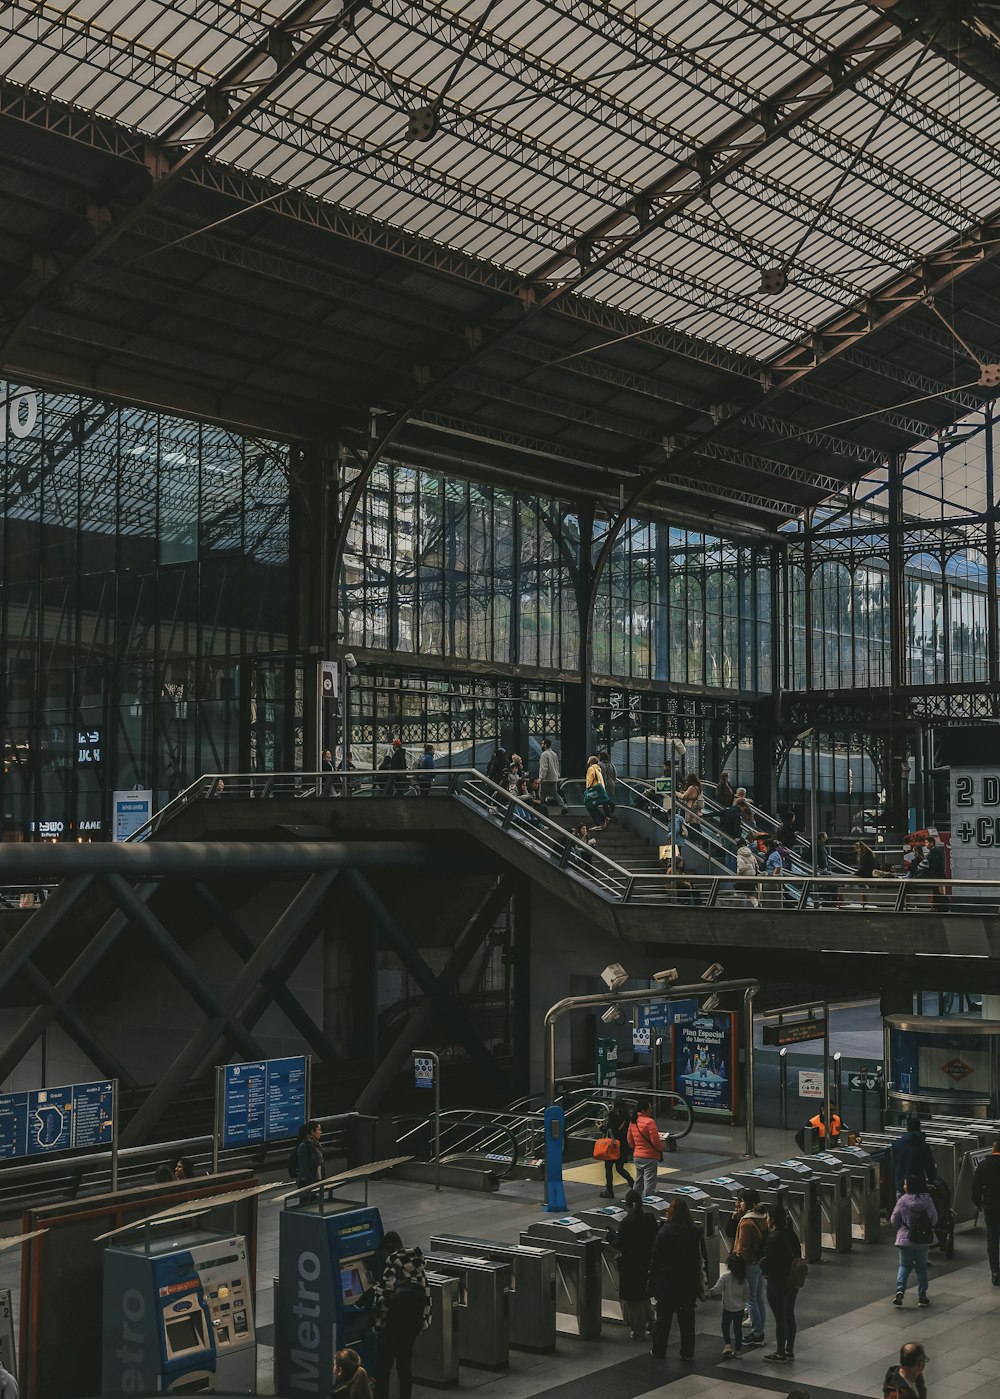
{"x": 483, "y": 1327}
{"x": 579, "y": 1260}
{"x": 532, "y": 1298}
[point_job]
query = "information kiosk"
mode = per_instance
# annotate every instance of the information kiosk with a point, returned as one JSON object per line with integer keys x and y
{"x": 178, "y": 1316}
{"x": 328, "y": 1258}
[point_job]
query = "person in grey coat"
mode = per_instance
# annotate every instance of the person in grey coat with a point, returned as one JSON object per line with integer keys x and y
{"x": 548, "y": 776}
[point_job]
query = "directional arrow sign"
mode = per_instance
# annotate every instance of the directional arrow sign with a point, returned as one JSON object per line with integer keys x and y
{"x": 864, "y": 1083}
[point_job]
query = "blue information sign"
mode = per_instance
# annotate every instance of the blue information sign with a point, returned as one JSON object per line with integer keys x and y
{"x": 659, "y": 1014}
{"x": 47, "y": 1120}
{"x": 263, "y": 1102}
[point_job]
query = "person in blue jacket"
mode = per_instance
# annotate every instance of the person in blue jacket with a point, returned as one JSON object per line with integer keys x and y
{"x": 912, "y": 1156}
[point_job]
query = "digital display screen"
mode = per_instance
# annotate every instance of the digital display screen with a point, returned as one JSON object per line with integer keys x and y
{"x": 185, "y": 1334}
{"x": 350, "y": 1281}
{"x": 47, "y": 1120}
{"x": 263, "y": 1102}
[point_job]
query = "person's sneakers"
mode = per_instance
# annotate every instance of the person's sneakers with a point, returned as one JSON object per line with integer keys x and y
{"x": 753, "y": 1340}
{"x": 789, "y": 1355}
{"x": 777, "y": 1356}
{"x": 607, "y": 1195}
{"x": 727, "y": 1352}
{"x": 923, "y": 1301}
{"x": 897, "y": 1301}
{"x": 737, "y": 1354}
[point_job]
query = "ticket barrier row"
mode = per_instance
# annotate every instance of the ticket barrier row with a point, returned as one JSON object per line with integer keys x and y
{"x": 530, "y": 1286}
{"x": 951, "y": 1146}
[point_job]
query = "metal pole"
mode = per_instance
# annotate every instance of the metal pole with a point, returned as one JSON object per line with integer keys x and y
{"x": 837, "y": 1083}
{"x": 345, "y": 721}
{"x": 751, "y": 1125}
{"x": 748, "y": 985}
{"x": 814, "y": 804}
{"x": 783, "y": 1086}
{"x": 217, "y": 1132}
{"x": 826, "y": 1075}
{"x": 864, "y": 1098}
{"x": 673, "y": 806}
{"x": 429, "y": 1054}
{"x": 114, "y": 1135}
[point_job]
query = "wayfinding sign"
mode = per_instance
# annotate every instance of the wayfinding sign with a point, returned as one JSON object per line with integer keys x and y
{"x": 868, "y": 1081}
{"x": 47, "y": 1120}
{"x": 264, "y": 1101}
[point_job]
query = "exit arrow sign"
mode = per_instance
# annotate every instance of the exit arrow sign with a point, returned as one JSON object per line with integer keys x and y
{"x": 864, "y": 1083}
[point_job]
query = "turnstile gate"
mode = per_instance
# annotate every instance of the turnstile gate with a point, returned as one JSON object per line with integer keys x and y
{"x": 483, "y": 1307}
{"x": 532, "y": 1285}
{"x": 579, "y": 1253}
{"x": 436, "y": 1352}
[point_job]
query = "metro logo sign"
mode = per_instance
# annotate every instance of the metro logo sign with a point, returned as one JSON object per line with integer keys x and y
{"x": 957, "y": 1069}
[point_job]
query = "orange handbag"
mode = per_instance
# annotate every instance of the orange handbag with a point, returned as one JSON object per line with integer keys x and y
{"x": 607, "y": 1149}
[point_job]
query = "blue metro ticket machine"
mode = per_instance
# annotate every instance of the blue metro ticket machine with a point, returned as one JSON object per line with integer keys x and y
{"x": 328, "y": 1260}
{"x": 178, "y": 1319}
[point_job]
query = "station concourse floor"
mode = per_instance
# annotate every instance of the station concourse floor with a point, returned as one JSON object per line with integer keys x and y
{"x": 849, "y": 1331}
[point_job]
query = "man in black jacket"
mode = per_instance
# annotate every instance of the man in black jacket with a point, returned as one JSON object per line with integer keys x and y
{"x": 986, "y": 1197}
{"x": 906, "y": 1380}
{"x": 912, "y": 1156}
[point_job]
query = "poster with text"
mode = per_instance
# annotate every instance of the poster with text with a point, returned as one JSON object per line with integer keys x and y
{"x": 704, "y": 1063}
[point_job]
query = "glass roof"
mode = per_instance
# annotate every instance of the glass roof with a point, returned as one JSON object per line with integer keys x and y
{"x": 552, "y": 116}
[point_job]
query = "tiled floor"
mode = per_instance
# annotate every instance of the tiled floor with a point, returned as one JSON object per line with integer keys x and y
{"x": 849, "y": 1332}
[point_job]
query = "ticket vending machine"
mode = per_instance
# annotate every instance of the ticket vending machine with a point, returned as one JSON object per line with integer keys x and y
{"x": 328, "y": 1259}
{"x": 178, "y": 1318}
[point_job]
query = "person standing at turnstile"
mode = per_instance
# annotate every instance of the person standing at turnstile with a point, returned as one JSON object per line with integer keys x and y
{"x": 402, "y": 1309}
{"x": 782, "y": 1269}
{"x": 751, "y": 1234}
{"x": 636, "y": 1234}
{"x": 675, "y": 1278}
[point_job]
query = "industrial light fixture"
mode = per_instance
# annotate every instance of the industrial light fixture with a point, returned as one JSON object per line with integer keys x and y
{"x": 671, "y": 974}
{"x": 614, "y": 976}
{"x": 612, "y": 1016}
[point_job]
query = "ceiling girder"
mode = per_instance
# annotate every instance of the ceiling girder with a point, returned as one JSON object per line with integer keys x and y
{"x": 227, "y": 102}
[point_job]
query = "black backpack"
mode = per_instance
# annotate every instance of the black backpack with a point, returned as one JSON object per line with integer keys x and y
{"x": 921, "y": 1229}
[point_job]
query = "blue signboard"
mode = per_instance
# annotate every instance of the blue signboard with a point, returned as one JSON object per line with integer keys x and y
{"x": 47, "y": 1120}
{"x": 662, "y": 1013}
{"x": 704, "y": 1065}
{"x": 263, "y": 1102}
{"x": 423, "y": 1072}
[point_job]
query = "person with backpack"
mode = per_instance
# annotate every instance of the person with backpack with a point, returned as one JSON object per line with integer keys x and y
{"x": 783, "y": 1269}
{"x": 401, "y": 1310}
{"x": 636, "y": 1234}
{"x": 732, "y": 1288}
{"x": 912, "y": 1155}
{"x": 309, "y": 1166}
{"x": 914, "y": 1218}
{"x": 751, "y": 1236}
{"x": 646, "y": 1146}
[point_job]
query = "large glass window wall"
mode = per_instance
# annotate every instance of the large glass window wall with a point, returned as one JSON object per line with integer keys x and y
{"x": 144, "y": 568}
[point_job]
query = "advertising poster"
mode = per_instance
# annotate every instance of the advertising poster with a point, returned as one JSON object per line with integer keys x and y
{"x": 704, "y": 1063}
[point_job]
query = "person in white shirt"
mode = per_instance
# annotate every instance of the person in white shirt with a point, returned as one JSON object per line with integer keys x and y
{"x": 732, "y": 1288}
{"x": 548, "y": 777}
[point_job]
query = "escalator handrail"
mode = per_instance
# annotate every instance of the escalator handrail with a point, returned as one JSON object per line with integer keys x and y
{"x": 464, "y": 1115}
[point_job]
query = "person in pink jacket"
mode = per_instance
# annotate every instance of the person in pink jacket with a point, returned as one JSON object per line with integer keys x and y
{"x": 647, "y": 1147}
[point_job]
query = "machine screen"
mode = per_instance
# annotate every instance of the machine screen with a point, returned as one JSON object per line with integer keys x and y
{"x": 355, "y": 1280}
{"x": 185, "y": 1334}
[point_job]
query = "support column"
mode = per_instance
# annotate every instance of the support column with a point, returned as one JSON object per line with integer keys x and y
{"x": 992, "y": 623}
{"x": 312, "y": 491}
{"x": 577, "y": 695}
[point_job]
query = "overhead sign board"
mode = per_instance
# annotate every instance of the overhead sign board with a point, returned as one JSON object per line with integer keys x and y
{"x": 658, "y": 1014}
{"x": 47, "y": 1120}
{"x": 868, "y": 1082}
{"x": 794, "y": 1031}
{"x": 264, "y": 1101}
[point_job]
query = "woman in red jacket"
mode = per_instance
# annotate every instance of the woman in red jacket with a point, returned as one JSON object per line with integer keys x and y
{"x": 647, "y": 1147}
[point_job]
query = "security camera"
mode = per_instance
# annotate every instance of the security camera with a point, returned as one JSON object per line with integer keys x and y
{"x": 350, "y": 660}
{"x": 671, "y": 974}
{"x": 612, "y": 1016}
{"x": 614, "y": 976}
{"x": 710, "y": 1002}
{"x": 713, "y": 972}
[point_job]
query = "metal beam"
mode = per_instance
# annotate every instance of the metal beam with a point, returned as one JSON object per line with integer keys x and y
{"x": 419, "y": 1025}
{"x": 70, "y": 981}
{"x": 225, "y": 921}
{"x": 451, "y": 1011}
{"x": 208, "y": 1038}
{"x": 28, "y": 939}
{"x": 188, "y": 975}
{"x": 27, "y": 864}
{"x": 225, "y": 103}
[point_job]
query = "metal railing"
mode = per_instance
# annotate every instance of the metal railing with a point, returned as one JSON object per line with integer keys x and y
{"x": 527, "y": 822}
{"x": 497, "y": 1138}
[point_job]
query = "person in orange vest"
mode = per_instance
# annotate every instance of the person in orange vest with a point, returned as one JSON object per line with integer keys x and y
{"x": 819, "y": 1122}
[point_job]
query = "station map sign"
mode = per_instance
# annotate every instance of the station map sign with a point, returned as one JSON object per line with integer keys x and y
{"x": 263, "y": 1102}
{"x": 48, "y": 1120}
